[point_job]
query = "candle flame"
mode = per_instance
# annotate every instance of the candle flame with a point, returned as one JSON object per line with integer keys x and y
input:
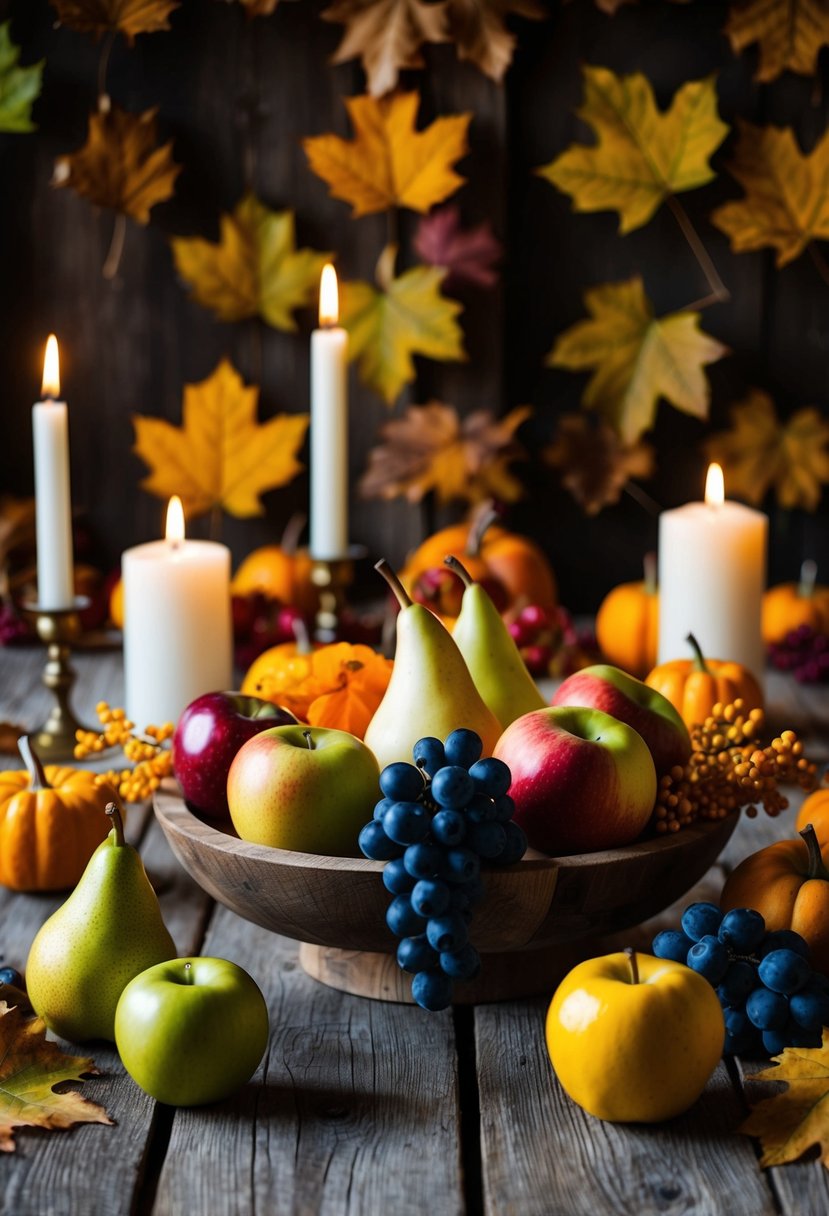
{"x": 51, "y": 370}
{"x": 714, "y": 486}
{"x": 329, "y": 296}
{"x": 174, "y": 530}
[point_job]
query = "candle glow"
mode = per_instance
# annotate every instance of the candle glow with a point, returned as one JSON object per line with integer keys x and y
{"x": 714, "y": 486}
{"x": 329, "y": 297}
{"x": 174, "y": 527}
{"x": 50, "y": 388}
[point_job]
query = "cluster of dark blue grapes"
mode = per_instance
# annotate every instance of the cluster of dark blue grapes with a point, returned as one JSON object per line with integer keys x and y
{"x": 438, "y": 818}
{"x": 771, "y": 997}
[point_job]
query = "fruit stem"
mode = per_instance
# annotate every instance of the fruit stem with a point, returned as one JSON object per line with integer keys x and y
{"x": 458, "y": 568}
{"x": 309, "y": 739}
{"x": 117, "y": 823}
{"x": 37, "y": 775}
{"x": 649, "y": 563}
{"x": 808, "y": 578}
{"x": 301, "y": 635}
{"x": 400, "y": 592}
{"x": 486, "y": 517}
{"x": 815, "y": 859}
{"x": 699, "y": 658}
{"x": 634, "y": 966}
{"x": 292, "y": 532}
{"x": 187, "y": 976}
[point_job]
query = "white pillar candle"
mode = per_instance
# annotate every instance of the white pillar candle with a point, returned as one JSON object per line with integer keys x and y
{"x": 712, "y": 574}
{"x": 329, "y": 427}
{"x": 53, "y": 502}
{"x": 177, "y": 623}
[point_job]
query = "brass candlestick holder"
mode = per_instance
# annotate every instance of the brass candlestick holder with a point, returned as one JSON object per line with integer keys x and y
{"x": 332, "y": 576}
{"x": 57, "y": 628}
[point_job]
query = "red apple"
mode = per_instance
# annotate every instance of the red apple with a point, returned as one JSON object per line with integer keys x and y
{"x": 628, "y": 699}
{"x": 208, "y": 735}
{"x": 581, "y": 780}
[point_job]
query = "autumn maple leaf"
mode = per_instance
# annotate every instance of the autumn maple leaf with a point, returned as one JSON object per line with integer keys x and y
{"x": 760, "y": 453}
{"x": 637, "y": 358}
{"x": 389, "y": 163}
{"x": 641, "y": 156}
{"x": 121, "y": 165}
{"x": 466, "y": 254}
{"x": 594, "y": 462}
{"x": 30, "y": 1068}
{"x": 478, "y": 28}
{"x": 789, "y": 34}
{"x": 129, "y": 17}
{"x": 19, "y": 86}
{"x": 387, "y": 35}
{"x": 255, "y": 269}
{"x": 220, "y": 456}
{"x": 791, "y": 1122}
{"x": 786, "y": 204}
{"x": 259, "y": 8}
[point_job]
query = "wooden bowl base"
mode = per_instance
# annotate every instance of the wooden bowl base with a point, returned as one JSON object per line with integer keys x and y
{"x": 504, "y": 977}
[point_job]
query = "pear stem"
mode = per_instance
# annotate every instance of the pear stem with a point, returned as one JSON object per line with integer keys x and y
{"x": 309, "y": 739}
{"x": 292, "y": 532}
{"x": 486, "y": 518}
{"x": 117, "y": 823}
{"x": 401, "y": 594}
{"x": 815, "y": 859}
{"x": 650, "y": 573}
{"x": 37, "y": 775}
{"x": 458, "y": 568}
{"x": 699, "y": 658}
{"x": 808, "y": 578}
{"x": 634, "y": 966}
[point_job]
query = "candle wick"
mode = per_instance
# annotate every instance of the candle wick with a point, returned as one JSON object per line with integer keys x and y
{"x": 175, "y": 544}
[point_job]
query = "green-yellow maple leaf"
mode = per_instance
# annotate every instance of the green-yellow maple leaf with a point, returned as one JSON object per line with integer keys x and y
{"x": 19, "y": 86}
{"x": 637, "y": 358}
{"x": 254, "y": 269}
{"x": 387, "y": 327}
{"x": 220, "y": 456}
{"x": 641, "y": 156}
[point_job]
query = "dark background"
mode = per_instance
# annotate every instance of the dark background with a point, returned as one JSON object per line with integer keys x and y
{"x": 237, "y": 96}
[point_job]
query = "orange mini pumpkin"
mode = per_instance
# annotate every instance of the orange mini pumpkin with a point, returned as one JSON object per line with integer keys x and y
{"x": 51, "y": 822}
{"x": 281, "y": 572}
{"x": 790, "y": 605}
{"x": 788, "y": 884}
{"x": 815, "y": 810}
{"x": 627, "y": 623}
{"x": 694, "y": 686}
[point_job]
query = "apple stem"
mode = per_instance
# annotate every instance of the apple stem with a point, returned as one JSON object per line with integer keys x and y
{"x": 649, "y": 563}
{"x": 400, "y": 592}
{"x": 634, "y": 966}
{"x": 292, "y": 532}
{"x": 699, "y": 658}
{"x": 307, "y": 736}
{"x": 37, "y": 775}
{"x": 117, "y": 823}
{"x": 808, "y": 578}
{"x": 485, "y": 518}
{"x": 815, "y": 859}
{"x": 458, "y": 568}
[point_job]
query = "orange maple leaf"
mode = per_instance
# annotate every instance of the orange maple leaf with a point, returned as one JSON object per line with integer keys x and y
{"x": 130, "y": 17}
{"x": 789, "y": 34}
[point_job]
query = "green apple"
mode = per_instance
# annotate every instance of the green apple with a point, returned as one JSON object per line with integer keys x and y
{"x": 191, "y": 1030}
{"x": 305, "y": 788}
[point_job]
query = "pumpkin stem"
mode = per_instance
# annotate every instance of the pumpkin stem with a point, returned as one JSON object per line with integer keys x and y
{"x": 809, "y": 835}
{"x": 808, "y": 578}
{"x": 400, "y": 592}
{"x": 699, "y": 658}
{"x": 118, "y": 824}
{"x": 292, "y": 532}
{"x": 649, "y": 562}
{"x": 634, "y": 966}
{"x": 485, "y": 518}
{"x": 37, "y": 775}
{"x": 458, "y": 568}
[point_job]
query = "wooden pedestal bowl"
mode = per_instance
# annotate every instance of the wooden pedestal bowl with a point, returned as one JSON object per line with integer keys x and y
{"x": 538, "y": 919}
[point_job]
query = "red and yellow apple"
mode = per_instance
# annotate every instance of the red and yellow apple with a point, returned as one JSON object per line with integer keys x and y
{"x": 581, "y": 780}
{"x": 624, "y": 697}
{"x": 305, "y": 788}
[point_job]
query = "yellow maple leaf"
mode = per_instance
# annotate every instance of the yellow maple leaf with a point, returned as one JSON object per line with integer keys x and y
{"x": 389, "y": 163}
{"x": 30, "y": 1068}
{"x": 637, "y": 357}
{"x": 640, "y": 156}
{"x": 386, "y": 327}
{"x": 130, "y": 17}
{"x": 255, "y": 268}
{"x": 789, "y": 33}
{"x": 220, "y": 456}
{"x": 387, "y": 35}
{"x": 790, "y": 1122}
{"x": 121, "y": 164}
{"x": 786, "y": 203}
{"x": 760, "y": 452}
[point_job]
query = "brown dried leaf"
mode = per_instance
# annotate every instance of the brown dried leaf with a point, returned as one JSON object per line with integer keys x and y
{"x": 789, "y": 34}
{"x": 130, "y": 17}
{"x": 432, "y": 448}
{"x": 259, "y": 8}
{"x": 595, "y": 463}
{"x": 479, "y": 30}
{"x": 387, "y": 35}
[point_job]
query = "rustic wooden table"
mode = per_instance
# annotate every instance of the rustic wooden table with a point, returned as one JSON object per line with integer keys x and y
{"x": 367, "y": 1108}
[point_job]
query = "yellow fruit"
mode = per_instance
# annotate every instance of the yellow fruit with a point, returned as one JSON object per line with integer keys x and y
{"x": 634, "y": 1052}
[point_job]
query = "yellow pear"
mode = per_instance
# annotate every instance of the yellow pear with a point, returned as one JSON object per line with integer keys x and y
{"x": 107, "y": 931}
{"x": 430, "y": 691}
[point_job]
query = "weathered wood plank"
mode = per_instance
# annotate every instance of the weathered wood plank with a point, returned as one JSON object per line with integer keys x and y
{"x": 354, "y": 1109}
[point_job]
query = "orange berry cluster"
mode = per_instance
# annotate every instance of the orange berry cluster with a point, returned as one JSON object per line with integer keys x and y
{"x": 151, "y": 760}
{"x": 729, "y": 769}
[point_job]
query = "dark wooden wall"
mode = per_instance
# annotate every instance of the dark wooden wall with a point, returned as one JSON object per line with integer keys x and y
{"x": 237, "y": 96}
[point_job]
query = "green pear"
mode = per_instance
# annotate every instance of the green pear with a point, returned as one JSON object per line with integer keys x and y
{"x": 107, "y": 931}
{"x": 430, "y": 691}
{"x": 491, "y": 655}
